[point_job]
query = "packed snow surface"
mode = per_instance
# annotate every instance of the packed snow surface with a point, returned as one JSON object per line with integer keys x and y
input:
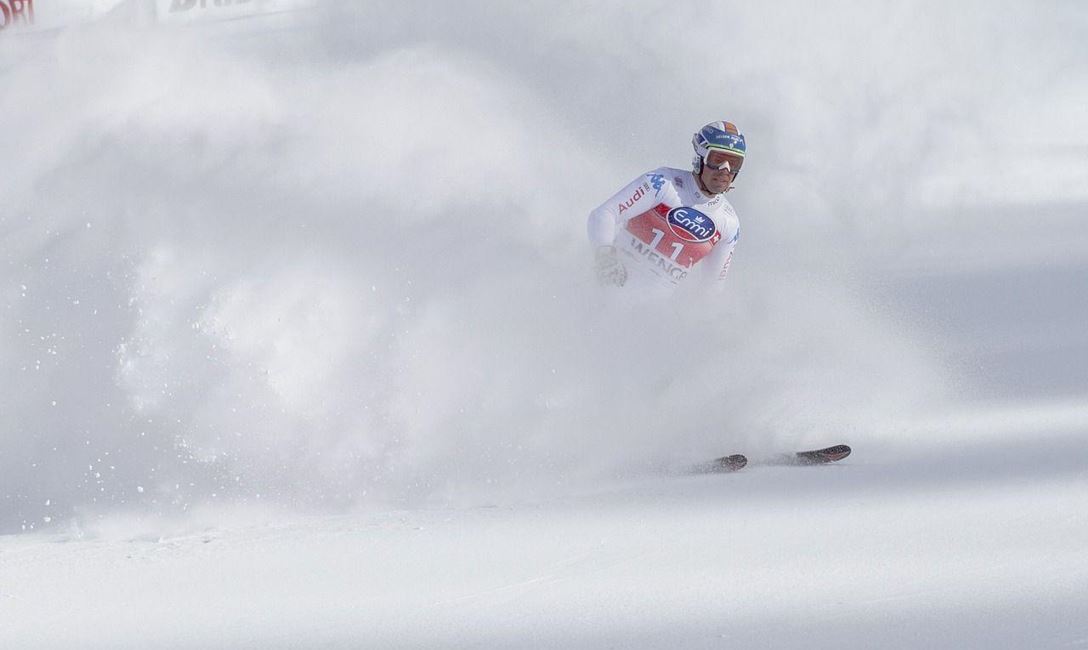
{"x": 825, "y": 557}
{"x": 300, "y": 343}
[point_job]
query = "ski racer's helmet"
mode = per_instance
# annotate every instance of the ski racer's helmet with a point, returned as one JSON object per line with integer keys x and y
{"x": 716, "y": 136}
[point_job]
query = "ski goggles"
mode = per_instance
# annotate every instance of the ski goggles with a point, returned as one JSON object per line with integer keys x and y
{"x": 724, "y": 163}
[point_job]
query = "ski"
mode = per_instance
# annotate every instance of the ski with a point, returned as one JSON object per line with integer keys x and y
{"x": 814, "y": 457}
{"x": 722, "y": 465}
{"x": 736, "y": 462}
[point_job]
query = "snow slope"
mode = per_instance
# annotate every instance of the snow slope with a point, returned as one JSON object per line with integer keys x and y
{"x": 828, "y": 557}
{"x": 299, "y": 344}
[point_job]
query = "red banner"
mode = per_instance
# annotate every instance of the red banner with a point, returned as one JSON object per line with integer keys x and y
{"x": 16, "y": 11}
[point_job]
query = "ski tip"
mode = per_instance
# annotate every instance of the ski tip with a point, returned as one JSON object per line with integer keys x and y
{"x": 838, "y": 452}
{"x": 723, "y": 465}
{"x": 733, "y": 463}
{"x": 825, "y": 455}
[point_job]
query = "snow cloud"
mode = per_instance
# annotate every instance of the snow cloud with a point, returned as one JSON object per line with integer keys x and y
{"x": 341, "y": 261}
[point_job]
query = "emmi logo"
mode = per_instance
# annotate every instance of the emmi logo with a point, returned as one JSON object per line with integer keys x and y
{"x": 186, "y": 5}
{"x": 16, "y": 11}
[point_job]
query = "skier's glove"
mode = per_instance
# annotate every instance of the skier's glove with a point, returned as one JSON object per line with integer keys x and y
{"x": 610, "y": 270}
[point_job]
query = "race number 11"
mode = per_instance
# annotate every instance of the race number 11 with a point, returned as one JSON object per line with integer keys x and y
{"x": 677, "y": 248}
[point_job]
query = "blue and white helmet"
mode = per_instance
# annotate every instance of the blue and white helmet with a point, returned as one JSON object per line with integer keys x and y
{"x": 716, "y": 136}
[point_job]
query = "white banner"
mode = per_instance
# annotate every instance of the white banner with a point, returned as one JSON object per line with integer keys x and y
{"x": 39, "y": 15}
{"x": 185, "y": 11}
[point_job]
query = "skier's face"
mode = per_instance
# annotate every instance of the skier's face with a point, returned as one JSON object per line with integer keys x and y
{"x": 717, "y": 181}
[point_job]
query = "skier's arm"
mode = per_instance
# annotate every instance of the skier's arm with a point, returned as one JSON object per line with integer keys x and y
{"x": 719, "y": 261}
{"x": 602, "y": 232}
{"x": 602, "y": 225}
{"x": 723, "y": 268}
{"x": 605, "y": 220}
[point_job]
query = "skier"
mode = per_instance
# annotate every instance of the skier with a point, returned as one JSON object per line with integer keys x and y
{"x": 669, "y": 224}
